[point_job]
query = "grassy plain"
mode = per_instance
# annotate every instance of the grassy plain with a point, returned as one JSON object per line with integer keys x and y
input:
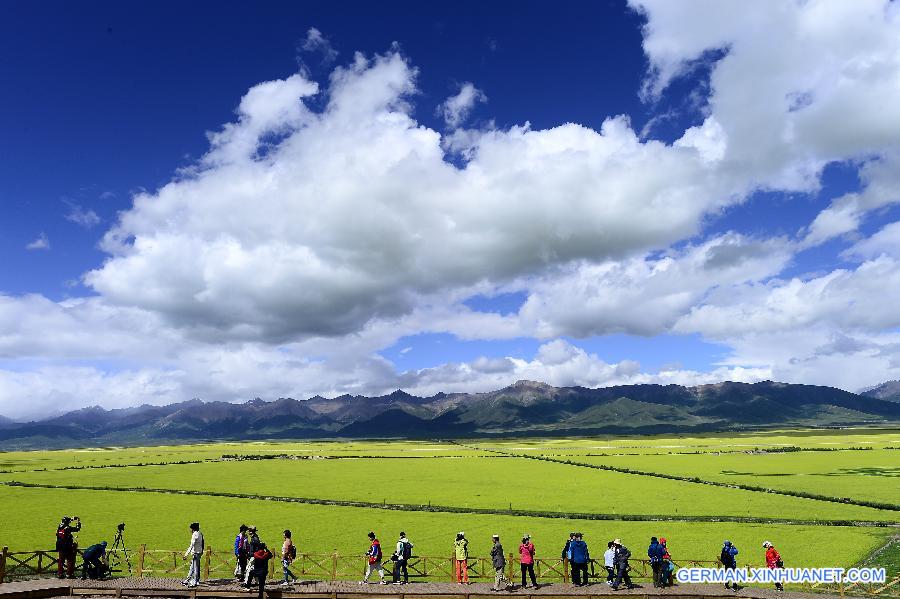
{"x": 863, "y": 475}
{"x": 712, "y": 442}
{"x": 444, "y": 473}
{"x": 161, "y": 521}
{"x": 482, "y": 482}
{"x": 600, "y": 445}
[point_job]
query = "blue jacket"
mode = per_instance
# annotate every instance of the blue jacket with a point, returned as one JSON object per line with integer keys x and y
{"x": 579, "y": 551}
{"x": 567, "y": 550}
{"x": 237, "y": 544}
{"x": 94, "y": 552}
{"x": 655, "y": 552}
{"x": 727, "y": 556}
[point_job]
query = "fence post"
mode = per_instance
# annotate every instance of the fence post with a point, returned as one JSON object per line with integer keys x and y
{"x": 272, "y": 568}
{"x": 141, "y": 551}
{"x": 206, "y": 563}
{"x": 510, "y": 568}
{"x": 334, "y": 558}
{"x": 566, "y": 570}
{"x": 3, "y": 563}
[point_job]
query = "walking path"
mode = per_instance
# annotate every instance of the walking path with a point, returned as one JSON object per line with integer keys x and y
{"x": 169, "y": 587}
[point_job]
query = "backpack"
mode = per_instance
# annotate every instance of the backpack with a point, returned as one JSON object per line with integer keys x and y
{"x": 292, "y": 552}
{"x": 376, "y": 554}
{"x": 407, "y": 550}
{"x": 727, "y": 556}
{"x": 261, "y": 556}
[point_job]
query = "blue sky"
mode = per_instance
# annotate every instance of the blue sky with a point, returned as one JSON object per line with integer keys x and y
{"x": 230, "y": 200}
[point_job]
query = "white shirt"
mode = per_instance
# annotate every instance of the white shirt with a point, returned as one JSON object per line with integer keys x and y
{"x": 196, "y": 545}
{"x": 609, "y": 557}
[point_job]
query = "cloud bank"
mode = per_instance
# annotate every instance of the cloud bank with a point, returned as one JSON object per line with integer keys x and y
{"x": 325, "y": 222}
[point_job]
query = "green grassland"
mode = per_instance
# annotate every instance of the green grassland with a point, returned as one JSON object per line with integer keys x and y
{"x": 480, "y": 482}
{"x": 712, "y": 442}
{"x": 599, "y": 445}
{"x": 17, "y": 461}
{"x": 470, "y": 476}
{"x": 864, "y": 475}
{"x": 160, "y": 521}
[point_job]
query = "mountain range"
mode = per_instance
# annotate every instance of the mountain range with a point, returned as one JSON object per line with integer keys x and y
{"x": 522, "y": 409}
{"x": 889, "y": 391}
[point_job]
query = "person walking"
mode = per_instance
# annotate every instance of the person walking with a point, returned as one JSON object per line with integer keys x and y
{"x": 461, "y": 558}
{"x": 66, "y": 546}
{"x": 621, "y": 564}
{"x": 566, "y": 556}
{"x": 526, "y": 561}
{"x": 373, "y": 560}
{"x": 773, "y": 561}
{"x": 609, "y": 562}
{"x": 579, "y": 560}
{"x": 288, "y": 555}
{"x": 729, "y": 561}
{"x": 261, "y": 558}
{"x": 498, "y": 561}
{"x": 668, "y": 567}
{"x": 252, "y": 544}
{"x": 194, "y": 552}
{"x": 655, "y": 553}
{"x": 401, "y": 559}
{"x": 240, "y": 552}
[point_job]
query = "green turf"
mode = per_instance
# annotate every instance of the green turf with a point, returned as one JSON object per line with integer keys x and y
{"x": 603, "y": 445}
{"x": 863, "y": 475}
{"x": 34, "y": 460}
{"x": 483, "y": 482}
{"x": 447, "y": 474}
{"x": 161, "y": 522}
{"x": 713, "y": 442}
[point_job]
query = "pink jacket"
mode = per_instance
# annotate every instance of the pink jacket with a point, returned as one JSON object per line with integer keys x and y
{"x": 526, "y": 553}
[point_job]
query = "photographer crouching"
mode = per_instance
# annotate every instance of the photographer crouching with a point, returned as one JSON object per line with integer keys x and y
{"x": 95, "y": 566}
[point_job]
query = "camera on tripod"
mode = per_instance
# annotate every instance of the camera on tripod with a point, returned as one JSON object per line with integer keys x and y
{"x": 117, "y": 556}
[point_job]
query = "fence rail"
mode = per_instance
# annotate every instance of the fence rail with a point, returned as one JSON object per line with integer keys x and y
{"x": 333, "y": 567}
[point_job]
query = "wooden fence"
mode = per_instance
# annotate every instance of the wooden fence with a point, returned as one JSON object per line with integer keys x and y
{"x": 333, "y": 567}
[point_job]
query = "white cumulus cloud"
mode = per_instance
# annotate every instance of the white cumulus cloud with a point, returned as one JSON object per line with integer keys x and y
{"x": 455, "y": 109}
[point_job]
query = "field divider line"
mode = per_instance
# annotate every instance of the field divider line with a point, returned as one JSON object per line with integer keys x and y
{"x": 696, "y": 480}
{"x": 464, "y": 510}
{"x": 241, "y": 458}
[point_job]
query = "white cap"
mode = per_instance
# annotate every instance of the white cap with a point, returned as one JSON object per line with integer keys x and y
{"x": 767, "y": 543}
{"x": 462, "y": 534}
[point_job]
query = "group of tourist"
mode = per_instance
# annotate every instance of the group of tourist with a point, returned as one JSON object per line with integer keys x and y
{"x": 252, "y": 559}
{"x": 615, "y": 561}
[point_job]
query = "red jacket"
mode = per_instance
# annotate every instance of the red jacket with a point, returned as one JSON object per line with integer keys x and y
{"x": 526, "y": 553}
{"x": 772, "y": 558}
